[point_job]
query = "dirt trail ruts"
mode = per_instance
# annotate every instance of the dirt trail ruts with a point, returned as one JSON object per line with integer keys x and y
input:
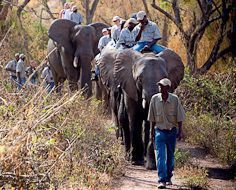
{"x": 138, "y": 178}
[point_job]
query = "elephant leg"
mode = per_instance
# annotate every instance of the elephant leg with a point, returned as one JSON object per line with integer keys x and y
{"x": 123, "y": 123}
{"x": 98, "y": 90}
{"x": 135, "y": 125}
{"x": 136, "y": 141}
{"x": 146, "y": 136}
{"x": 150, "y": 157}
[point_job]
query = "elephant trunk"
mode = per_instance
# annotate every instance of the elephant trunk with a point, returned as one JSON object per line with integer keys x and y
{"x": 76, "y": 61}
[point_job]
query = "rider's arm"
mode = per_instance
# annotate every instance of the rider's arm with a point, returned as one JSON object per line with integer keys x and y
{"x": 139, "y": 33}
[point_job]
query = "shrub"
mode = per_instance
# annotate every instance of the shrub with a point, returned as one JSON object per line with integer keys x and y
{"x": 193, "y": 177}
{"x": 210, "y": 103}
{"x": 51, "y": 141}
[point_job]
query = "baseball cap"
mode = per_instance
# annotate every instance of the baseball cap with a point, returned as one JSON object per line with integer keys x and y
{"x": 141, "y": 15}
{"x": 115, "y": 18}
{"x": 74, "y": 8}
{"x": 22, "y": 56}
{"x": 132, "y": 20}
{"x": 104, "y": 30}
{"x": 17, "y": 55}
{"x": 165, "y": 82}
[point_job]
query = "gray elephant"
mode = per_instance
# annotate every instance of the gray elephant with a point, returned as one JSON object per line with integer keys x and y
{"x": 77, "y": 47}
{"x": 137, "y": 75}
{"x": 105, "y": 87}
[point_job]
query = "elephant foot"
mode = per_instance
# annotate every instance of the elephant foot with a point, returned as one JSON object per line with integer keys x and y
{"x": 150, "y": 165}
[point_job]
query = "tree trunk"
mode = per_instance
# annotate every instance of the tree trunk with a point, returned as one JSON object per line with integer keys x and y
{"x": 165, "y": 32}
{"x": 4, "y": 11}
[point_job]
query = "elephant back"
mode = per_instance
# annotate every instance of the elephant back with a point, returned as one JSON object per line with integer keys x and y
{"x": 106, "y": 64}
{"x": 175, "y": 67}
{"x": 123, "y": 71}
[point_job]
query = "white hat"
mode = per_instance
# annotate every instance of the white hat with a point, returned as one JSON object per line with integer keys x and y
{"x": 165, "y": 82}
{"x": 141, "y": 15}
{"x": 132, "y": 20}
{"x": 22, "y": 56}
{"x": 17, "y": 55}
{"x": 115, "y": 18}
{"x": 74, "y": 8}
{"x": 104, "y": 30}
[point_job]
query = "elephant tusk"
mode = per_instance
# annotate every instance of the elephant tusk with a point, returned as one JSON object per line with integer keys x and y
{"x": 144, "y": 103}
{"x": 75, "y": 62}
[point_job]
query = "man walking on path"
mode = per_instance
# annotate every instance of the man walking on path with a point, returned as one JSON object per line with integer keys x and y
{"x": 20, "y": 72}
{"x": 165, "y": 115}
{"x": 147, "y": 35}
{"x": 11, "y": 67}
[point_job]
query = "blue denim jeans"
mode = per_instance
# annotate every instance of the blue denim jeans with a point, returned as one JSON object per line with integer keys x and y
{"x": 20, "y": 84}
{"x": 165, "y": 142}
{"x": 156, "y": 48}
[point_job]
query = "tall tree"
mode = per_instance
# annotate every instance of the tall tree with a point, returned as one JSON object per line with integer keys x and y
{"x": 212, "y": 11}
{"x": 4, "y": 7}
{"x": 90, "y": 7}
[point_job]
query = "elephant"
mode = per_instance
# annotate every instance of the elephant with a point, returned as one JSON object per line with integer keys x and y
{"x": 105, "y": 88}
{"x": 77, "y": 47}
{"x": 137, "y": 75}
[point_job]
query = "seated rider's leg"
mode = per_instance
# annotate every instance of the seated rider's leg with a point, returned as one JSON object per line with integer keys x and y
{"x": 156, "y": 48}
{"x": 139, "y": 46}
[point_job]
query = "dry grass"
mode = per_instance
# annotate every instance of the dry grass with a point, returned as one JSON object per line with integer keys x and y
{"x": 48, "y": 140}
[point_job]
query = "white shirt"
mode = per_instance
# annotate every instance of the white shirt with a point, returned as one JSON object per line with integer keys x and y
{"x": 104, "y": 40}
{"x": 127, "y": 38}
{"x": 11, "y": 65}
{"x": 66, "y": 14}
{"x": 76, "y": 17}
{"x": 150, "y": 32}
{"x": 20, "y": 68}
{"x": 47, "y": 74}
{"x": 115, "y": 33}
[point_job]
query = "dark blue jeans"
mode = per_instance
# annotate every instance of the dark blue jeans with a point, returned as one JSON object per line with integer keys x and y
{"x": 165, "y": 142}
{"x": 156, "y": 48}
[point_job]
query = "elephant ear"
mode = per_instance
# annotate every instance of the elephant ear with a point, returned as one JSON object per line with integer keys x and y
{"x": 106, "y": 64}
{"x": 98, "y": 34}
{"x": 175, "y": 67}
{"x": 60, "y": 32}
{"x": 123, "y": 71}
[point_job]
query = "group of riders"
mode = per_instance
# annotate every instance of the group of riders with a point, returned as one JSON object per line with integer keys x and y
{"x": 138, "y": 33}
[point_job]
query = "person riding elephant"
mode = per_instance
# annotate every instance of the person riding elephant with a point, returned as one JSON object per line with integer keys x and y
{"x": 137, "y": 75}
{"x": 77, "y": 46}
{"x": 147, "y": 35}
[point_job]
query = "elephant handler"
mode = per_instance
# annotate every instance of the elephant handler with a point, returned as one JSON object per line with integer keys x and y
{"x": 147, "y": 35}
{"x": 166, "y": 114}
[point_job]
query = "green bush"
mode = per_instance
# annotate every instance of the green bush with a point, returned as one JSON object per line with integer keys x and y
{"x": 210, "y": 103}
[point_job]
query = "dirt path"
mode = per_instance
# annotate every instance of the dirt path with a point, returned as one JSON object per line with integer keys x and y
{"x": 138, "y": 178}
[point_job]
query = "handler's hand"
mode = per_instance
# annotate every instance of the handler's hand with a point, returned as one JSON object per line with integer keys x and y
{"x": 179, "y": 135}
